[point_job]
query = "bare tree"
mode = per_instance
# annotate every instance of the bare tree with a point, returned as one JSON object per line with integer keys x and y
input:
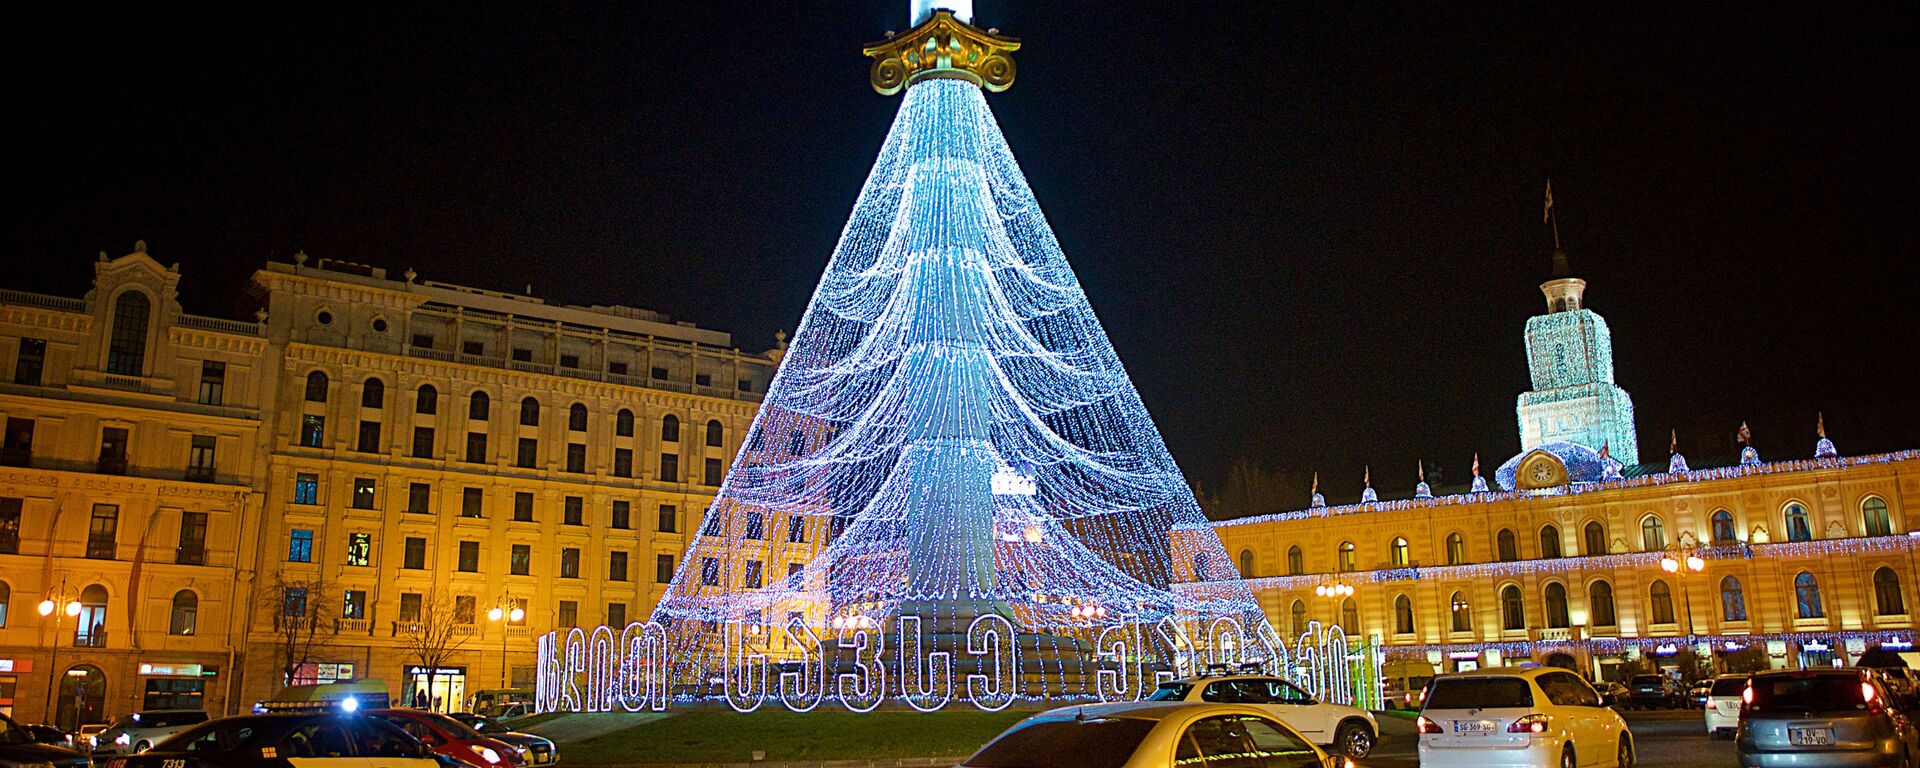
{"x": 444, "y": 624}
{"x": 305, "y": 618}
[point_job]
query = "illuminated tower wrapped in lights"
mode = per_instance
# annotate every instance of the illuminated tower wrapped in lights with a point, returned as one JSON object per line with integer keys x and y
{"x": 1570, "y": 354}
{"x": 951, "y": 459}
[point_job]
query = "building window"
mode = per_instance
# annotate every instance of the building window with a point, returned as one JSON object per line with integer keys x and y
{"x": 479, "y": 406}
{"x": 1296, "y": 561}
{"x": 423, "y": 341}
{"x": 213, "y": 382}
{"x": 795, "y": 569}
{"x": 796, "y": 530}
{"x": 570, "y": 563}
{"x": 306, "y": 488}
{"x": 413, "y": 555}
{"x": 1556, "y": 600}
{"x": 1513, "y": 609}
{"x": 658, "y": 372}
{"x": 616, "y": 368}
{"x": 1653, "y": 534}
{"x": 1873, "y": 513}
{"x": 313, "y": 431}
{"x": 102, "y": 531}
{"x": 703, "y": 379}
{"x": 529, "y": 412}
{"x": 200, "y": 459}
{"x": 10, "y": 527}
{"x": 28, "y": 364}
{"x": 796, "y": 444}
{"x": 1799, "y": 528}
{"x": 293, "y": 602}
{"x": 1346, "y": 556}
{"x": 570, "y": 361}
{"x": 527, "y": 453}
{"x": 353, "y": 604}
{"x": 520, "y": 560}
{"x": 1662, "y": 598}
{"x": 373, "y": 394}
{"x": 709, "y": 572}
{"x": 1733, "y": 600}
{"x": 17, "y": 451}
{"x": 409, "y": 606}
{"x": 476, "y": 447}
{"x": 1723, "y": 528}
{"x": 663, "y": 569}
{"x": 186, "y": 610}
{"x": 1402, "y": 615}
{"x": 523, "y": 507}
{"x": 423, "y": 442}
{"x": 752, "y": 575}
{"x": 469, "y": 561}
{"x": 569, "y": 614}
{"x": 716, "y": 434}
{"x": 1600, "y": 604}
{"x": 127, "y": 349}
{"x": 616, "y": 614}
{"x": 1806, "y": 597}
{"x": 710, "y": 525}
{"x": 90, "y": 630}
{"x": 1297, "y": 618}
{"x": 623, "y": 423}
{"x": 472, "y": 502}
{"x": 522, "y": 355}
{"x": 714, "y": 473}
{"x": 620, "y": 520}
{"x": 573, "y": 510}
{"x": 363, "y": 493}
{"x": 623, "y": 462}
{"x": 1596, "y": 538}
{"x": 473, "y": 348}
{"x": 616, "y": 566}
{"x": 755, "y": 526}
{"x": 669, "y": 519}
{"x": 300, "y": 546}
{"x": 1462, "y": 613}
{"x": 317, "y": 387}
{"x": 113, "y": 451}
{"x": 669, "y": 429}
{"x": 1398, "y": 551}
{"x": 360, "y": 549}
{"x": 1549, "y": 541}
{"x": 368, "y": 439}
{"x": 426, "y": 400}
{"x": 193, "y": 537}
{"x": 1456, "y": 549}
{"x": 1887, "y": 600}
{"x": 577, "y": 418}
{"x": 1506, "y": 547}
{"x": 669, "y": 468}
{"x": 576, "y": 457}
{"x": 1350, "y": 616}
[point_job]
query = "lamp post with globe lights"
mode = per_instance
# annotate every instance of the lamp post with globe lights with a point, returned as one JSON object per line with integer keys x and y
{"x": 60, "y": 600}
{"x": 507, "y": 611}
{"x": 1680, "y": 565}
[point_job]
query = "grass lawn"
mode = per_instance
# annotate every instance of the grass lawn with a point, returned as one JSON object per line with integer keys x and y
{"x": 823, "y": 734}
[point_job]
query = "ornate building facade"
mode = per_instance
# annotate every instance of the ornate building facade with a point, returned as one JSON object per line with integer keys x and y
{"x": 1581, "y": 560}
{"x": 343, "y": 488}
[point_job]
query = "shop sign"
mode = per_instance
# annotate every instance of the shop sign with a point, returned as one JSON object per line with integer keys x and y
{"x": 1459, "y": 655}
{"x": 1776, "y": 647}
{"x": 1666, "y": 649}
{"x": 170, "y": 670}
{"x": 1814, "y": 646}
{"x": 436, "y": 671}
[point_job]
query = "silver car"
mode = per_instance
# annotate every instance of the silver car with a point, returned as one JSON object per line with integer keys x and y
{"x": 1823, "y": 718}
{"x": 139, "y": 731}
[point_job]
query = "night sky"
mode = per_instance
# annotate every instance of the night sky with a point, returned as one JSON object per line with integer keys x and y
{"x": 1312, "y": 230}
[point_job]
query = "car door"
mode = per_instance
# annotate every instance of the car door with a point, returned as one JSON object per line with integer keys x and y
{"x": 1242, "y": 741}
{"x": 384, "y": 745}
{"x": 1300, "y": 710}
{"x": 322, "y": 742}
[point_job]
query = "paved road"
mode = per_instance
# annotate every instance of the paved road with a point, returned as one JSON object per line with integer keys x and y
{"x": 1674, "y": 738}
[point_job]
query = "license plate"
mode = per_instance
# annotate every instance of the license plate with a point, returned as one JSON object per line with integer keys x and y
{"x": 1810, "y": 737}
{"x": 1473, "y": 726}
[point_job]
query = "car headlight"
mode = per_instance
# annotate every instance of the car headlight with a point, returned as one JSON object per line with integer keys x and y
{"x": 123, "y": 739}
{"x": 486, "y": 753}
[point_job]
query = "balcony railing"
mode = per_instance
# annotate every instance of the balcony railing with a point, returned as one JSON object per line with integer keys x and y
{"x": 16, "y": 457}
{"x": 43, "y": 301}
{"x": 200, "y": 474}
{"x": 218, "y": 324}
{"x": 190, "y": 555}
{"x": 91, "y": 638}
{"x": 102, "y": 549}
{"x": 111, "y": 465}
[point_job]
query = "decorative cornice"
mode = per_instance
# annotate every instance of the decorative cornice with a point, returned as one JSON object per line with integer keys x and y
{"x": 943, "y": 46}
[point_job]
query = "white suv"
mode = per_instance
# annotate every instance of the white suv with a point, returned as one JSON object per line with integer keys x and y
{"x": 1723, "y": 705}
{"x": 1348, "y": 730}
{"x": 1524, "y": 716}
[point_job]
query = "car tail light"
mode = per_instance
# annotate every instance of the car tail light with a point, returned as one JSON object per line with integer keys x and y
{"x": 1535, "y": 723}
{"x": 1866, "y": 692}
{"x": 1711, "y": 705}
{"x": 1746, "y": 694}
{"x": 1427, "y": 726}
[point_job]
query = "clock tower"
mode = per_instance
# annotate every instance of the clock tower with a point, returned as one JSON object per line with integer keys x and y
{"x": 1570, "y": 354}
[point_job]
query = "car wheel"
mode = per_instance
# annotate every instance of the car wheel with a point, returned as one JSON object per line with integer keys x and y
{"x": 1566, "y": 757}
{"x": 1354, "y": 739}
{"x": 1626, "y": 753}
{"x": 141, "y": 747}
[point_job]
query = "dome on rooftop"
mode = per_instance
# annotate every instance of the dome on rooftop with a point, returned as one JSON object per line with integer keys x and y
{"x": 1575, "y": 464}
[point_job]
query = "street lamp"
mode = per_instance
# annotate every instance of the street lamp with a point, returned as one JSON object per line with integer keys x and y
{"x": 507, "y": 611}
{"x": 59, "y": 596}
{"x": 1692, "y": 563}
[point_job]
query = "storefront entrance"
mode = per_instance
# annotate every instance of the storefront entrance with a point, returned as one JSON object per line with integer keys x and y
{"x": 446, "y": 692}
{"x": 83, "y": 697}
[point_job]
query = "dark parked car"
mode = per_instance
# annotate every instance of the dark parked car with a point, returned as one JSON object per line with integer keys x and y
{"x": 18, "y": 749}
{"x": 306, "y": 740}
{"x": 537, "y": 750}
{"x": 47, "y": 734}
{"x": 1652, "y": 692}
{"x": 1826, "y": 718}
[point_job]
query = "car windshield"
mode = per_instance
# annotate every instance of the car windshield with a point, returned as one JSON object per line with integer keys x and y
{"x": 1809, "y": 693}
{"x": 483, "y": 724}
{"x": 1098, "y": 742}
{"x": 11, "y": 733}
{"x": 1171, "y": 692}
{"x": 454, "y": 728}
{"x": 1728, "y": 686}
{"x": 1479, "y": 693}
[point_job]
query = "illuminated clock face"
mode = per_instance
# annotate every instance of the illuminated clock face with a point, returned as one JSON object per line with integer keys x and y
{"x": 1541, "y": 473}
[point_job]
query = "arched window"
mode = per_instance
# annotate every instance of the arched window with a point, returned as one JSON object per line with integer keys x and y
{"x": 1662, "y": 597}
{"x": 1462, "y": 613}
{"x": 1733, "y": 600}
{"x": 623, "y": 423}
{"x": 1595, "y": 535}
{"x": 1723, "y": 528}
{"x": 186, "y": 609}
{"x": 1653, "y": 534}
{"x": 1506, "y": 547}
{"x": 1402, "y": 615}
{"x": 1349, "y": 617}
{"x": 1887, "y": 600}
{"x": 1456, "y": 549}
{"x": 1296, "y": 561}
{"x": 669, "y": 429}
{"x": 426, "y": 400}
{"x": 373, "y": 394}
{"x": 479, "y": 406}
{"x": 577, "y": 418}
{"x": 1549, "y": 541}
{"x": 1799, "y": 528}
{"x": 317, "y": 387}
{"x": 1399, "y": 552}
{"x": 1297, "y": 617}
{"x": 127, "y": 349}
{"x": 1806, "y": 597}
{"x": 529, "y": 412}
{"x": 1346, "y": 556}
{"x": 716, "y": 434}
{"x": 1246, "y": 563}
{"x": 1600, "y": 604}
{"x": 90, "y": 629}
{"x": 1873, "y": 512}
{"x": 1556, "y": 594}
{"x": 1513, "y": 609}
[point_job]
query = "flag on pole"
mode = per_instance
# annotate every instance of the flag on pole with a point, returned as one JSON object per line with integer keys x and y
{"x": 1546, "y": 213}
{"x": 1745, "y": 435}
